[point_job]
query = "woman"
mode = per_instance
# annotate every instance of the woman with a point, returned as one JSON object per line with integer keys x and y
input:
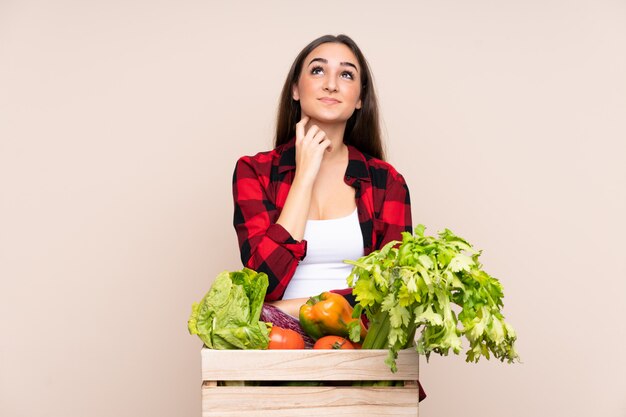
{"x": 324, "y": 193}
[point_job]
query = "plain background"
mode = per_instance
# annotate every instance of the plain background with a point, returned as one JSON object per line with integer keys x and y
{"x": 120, "y": 124}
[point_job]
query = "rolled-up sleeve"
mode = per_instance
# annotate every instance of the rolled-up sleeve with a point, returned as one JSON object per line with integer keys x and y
{"x": 265, "y": 246}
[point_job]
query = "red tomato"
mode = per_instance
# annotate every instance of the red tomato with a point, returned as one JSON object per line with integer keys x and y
{"x": 285, "y": 339}
{"x": 333, "y": 342}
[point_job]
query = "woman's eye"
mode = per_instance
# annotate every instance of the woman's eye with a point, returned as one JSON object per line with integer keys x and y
{"x": 349, "y": 74}
{"x": 345, "y": 74}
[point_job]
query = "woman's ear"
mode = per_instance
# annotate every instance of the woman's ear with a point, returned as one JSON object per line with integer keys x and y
{"x": 359, "y": 104}
{"x": 295, "y": 93}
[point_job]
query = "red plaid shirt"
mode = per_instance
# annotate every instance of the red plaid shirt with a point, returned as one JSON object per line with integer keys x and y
{"x": 260, "y": 187}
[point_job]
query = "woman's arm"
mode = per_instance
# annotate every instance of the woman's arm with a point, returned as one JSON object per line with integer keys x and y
{"x": 264, "y": 245}
{"x": 310, "y": 147}
{"x": 291, "y": 307}
{"x": 269, "y": 244}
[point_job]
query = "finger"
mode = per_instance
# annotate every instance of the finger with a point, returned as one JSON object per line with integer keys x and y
{"x": 319, "y": 137}
{"x": 326, "y": 145}
{"x": 303, "y": 121}
{"x": 300, "y": 131}
{"x": 312, "y": 132}
{"x": 300, "y": 128}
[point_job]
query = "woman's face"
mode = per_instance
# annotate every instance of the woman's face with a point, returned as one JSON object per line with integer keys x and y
{"x": 329, "y": 87}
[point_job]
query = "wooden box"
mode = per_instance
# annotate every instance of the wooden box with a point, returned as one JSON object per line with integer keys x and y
{"x": 337, "y": 368}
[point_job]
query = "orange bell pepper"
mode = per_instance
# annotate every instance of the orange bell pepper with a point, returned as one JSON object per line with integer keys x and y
{"x": 328, "y": 314}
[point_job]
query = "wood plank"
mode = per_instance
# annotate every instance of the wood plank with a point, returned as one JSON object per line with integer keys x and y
{"x": 309, "y": 401}
{"x": 306, "y": 364}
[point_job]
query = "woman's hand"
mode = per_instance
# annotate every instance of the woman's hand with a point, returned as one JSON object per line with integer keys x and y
{"x": 310, "y": 147}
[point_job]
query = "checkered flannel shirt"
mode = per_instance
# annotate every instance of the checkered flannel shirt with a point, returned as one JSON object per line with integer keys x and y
{"x": 260, "y": 187}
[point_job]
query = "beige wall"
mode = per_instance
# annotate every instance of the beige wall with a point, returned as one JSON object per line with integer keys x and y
{"x": 120, "y": 123}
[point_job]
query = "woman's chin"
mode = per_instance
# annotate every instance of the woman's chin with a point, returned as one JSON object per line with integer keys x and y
{"x": 327, "y": 118}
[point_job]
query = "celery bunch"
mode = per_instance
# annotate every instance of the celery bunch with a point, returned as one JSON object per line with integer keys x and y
{"x": 414, "y": 286}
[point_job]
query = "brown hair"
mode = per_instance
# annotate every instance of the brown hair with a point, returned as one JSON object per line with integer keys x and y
{"x": 362, "y": 128}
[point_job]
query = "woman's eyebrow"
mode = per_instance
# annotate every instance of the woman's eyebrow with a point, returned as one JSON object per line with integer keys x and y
{"x": 325, "y": 61}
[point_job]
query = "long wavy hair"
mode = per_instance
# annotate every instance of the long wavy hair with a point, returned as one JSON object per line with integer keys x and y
{"x": 362, "y": 128}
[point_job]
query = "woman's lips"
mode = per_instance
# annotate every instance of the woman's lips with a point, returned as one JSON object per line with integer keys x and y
{"x": 328, "y": 100}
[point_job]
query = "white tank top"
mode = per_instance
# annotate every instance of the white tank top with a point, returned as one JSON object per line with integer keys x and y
{"x": 329, "y": 243}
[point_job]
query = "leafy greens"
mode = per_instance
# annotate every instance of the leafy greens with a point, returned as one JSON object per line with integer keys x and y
{"x": 417, "y": 283}
{"x": 228, "y": 315}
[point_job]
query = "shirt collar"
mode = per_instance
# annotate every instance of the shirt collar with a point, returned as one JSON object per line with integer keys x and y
{"x": 357, "y": 166}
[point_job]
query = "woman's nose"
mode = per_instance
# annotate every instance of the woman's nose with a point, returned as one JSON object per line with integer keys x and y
{"x": 330, "y": 85}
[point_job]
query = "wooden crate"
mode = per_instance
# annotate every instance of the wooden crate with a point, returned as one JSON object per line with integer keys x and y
{"x": 335, "y": 367}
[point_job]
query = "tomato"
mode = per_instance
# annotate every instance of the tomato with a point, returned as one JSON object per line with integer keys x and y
{"x": 333, "y": 342}
{"x": 285, "y": 339}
